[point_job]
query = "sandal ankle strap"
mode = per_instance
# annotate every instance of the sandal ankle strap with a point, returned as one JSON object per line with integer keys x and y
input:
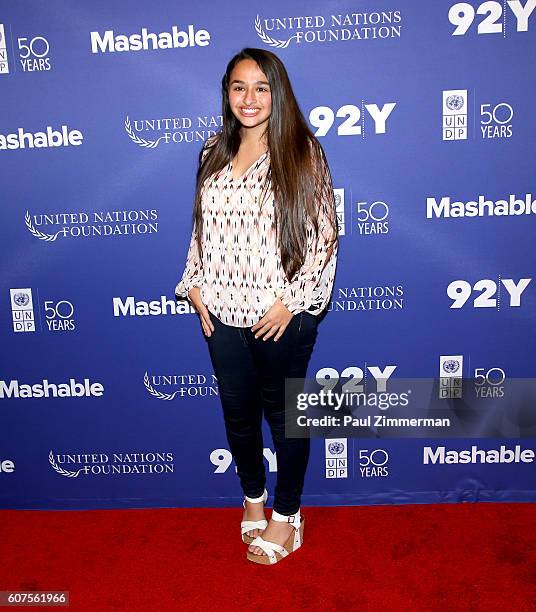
{"x": 257, "y": 500}
{"x": 293, "y": 519}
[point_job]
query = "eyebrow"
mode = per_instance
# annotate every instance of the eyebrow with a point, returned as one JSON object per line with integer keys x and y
{"x": 256, "y": 82}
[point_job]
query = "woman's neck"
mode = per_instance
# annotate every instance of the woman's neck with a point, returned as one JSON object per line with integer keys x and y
{"x": 253, "y": 138}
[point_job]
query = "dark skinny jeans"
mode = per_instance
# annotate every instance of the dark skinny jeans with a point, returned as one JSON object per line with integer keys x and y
{"x": 251, "y": 380}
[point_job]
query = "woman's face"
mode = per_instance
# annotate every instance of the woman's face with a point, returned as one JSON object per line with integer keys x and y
{"x": 250, "y": 97}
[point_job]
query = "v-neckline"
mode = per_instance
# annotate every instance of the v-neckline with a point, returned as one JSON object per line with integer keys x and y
{"x": 247, "y": 170}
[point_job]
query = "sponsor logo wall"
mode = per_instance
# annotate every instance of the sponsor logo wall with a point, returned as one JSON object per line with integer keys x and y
{"x": 107, "y": 395}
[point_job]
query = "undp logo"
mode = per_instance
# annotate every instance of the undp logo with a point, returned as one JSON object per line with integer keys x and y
{"x": 336, "y": 458}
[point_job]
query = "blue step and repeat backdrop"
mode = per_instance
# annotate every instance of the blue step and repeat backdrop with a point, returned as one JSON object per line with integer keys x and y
{"x": 426, "y": 113}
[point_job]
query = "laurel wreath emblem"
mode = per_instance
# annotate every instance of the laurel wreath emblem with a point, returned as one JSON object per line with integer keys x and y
{"x": 151, "y": 144}
{"x": 61, "y": 470}
{"x": 36, "y": 232}
{"x": 273, "y": 42}
{"x": 158, "y": 394}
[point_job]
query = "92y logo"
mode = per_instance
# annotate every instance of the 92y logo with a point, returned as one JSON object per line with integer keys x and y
{"x": 462, "y": 15}
{"x": 323, "y": 118}
{"x": 460, "y": 291}
{"x": 329, "y": 378}
{"x": 222, "y": 459}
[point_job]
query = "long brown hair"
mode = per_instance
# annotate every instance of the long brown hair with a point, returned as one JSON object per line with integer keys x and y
{"x": 299, "y": 173}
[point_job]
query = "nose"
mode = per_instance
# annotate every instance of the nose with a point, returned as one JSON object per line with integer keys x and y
{"x": 249, "y": 97}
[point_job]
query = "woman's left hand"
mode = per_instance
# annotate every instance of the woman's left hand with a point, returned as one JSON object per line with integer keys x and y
{"x": 275, "y": 321}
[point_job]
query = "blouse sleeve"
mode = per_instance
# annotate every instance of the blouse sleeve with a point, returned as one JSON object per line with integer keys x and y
{"x": 311, "y": 287}
{"x": 193, "y": 272}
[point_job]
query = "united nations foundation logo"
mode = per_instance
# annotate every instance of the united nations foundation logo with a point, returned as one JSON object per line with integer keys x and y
{"x": 455, "y": 102}
{"x": 150, "y": 133}
{"x": 279, "y": 32}
{"x": 168, "y": 386}
{"x": 111, "y": 464}
{"x": 95, "y": 224}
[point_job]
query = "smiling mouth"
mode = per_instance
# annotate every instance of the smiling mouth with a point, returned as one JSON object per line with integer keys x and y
{"x": 250, "y": 112}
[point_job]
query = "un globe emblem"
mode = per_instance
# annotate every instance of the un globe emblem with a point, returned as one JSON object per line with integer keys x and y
{"x": 455, "y": 102}
{"x": 451, "y": 366}
{"x": 21, "y": 299}
{"x": 336, "y": 448}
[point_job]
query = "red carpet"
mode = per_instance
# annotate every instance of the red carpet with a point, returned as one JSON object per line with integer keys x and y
{"x": 413, "y": 557}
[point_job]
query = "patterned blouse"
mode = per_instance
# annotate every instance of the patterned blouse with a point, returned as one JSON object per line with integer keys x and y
{"x": 241, "y": 275}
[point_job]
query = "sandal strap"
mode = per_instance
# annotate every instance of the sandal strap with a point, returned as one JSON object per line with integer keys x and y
{"x": 270, "y": 548}
{"x": 292, "y": 519}
{"x": 249, "y": 525}
{"x": 256, "y": 500}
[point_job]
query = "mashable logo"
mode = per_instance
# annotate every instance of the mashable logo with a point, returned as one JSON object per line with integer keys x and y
{"x": 147, "y": 41}
{"x": 514, "y": 206}
{"x": 21, "y": 139}
{"x": 504, "y": 455}
{"x": 130, "y": 307}
{"x": 14, "y": 389}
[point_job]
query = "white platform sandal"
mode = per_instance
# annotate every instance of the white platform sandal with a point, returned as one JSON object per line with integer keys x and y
{"x": 246, "y": 526}
{"x": 275, "y": 552}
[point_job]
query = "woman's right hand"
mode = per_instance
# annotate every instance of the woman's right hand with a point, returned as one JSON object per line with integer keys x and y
{"x": 194, "y": 295}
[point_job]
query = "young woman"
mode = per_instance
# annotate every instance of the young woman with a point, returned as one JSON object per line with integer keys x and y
{"x": 259, "y": 271}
